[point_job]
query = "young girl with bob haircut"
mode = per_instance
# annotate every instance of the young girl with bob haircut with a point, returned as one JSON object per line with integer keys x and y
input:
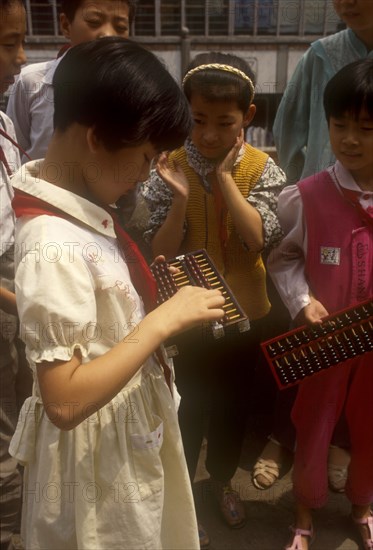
{"x": 324, "y": 264}
{"x": 99, "y": 438}
{"x": 219, "y": 193}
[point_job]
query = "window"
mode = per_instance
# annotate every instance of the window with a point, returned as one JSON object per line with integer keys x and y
{"x": 42, "y": 17}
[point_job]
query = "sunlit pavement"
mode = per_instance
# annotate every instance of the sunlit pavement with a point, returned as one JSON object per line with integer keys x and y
{"x": 269, "y": 513}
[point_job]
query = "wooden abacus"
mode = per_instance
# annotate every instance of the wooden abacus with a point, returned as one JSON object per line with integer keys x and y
{"x": 308, "y": 350}
{"x": 197, "y": 269}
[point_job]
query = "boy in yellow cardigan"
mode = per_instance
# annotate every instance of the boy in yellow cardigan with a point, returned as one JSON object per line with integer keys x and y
{"x": 219, "y": 193}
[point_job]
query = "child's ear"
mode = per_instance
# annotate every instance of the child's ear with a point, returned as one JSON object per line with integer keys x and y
{"x": 248, "y": 117}
{"x": 93, "y": 141}
{"x": 65, "y": 26}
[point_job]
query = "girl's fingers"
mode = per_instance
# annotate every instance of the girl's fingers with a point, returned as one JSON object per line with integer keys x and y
{"x": 216, "y": 297}
{"x": 239, "y": 141}
{"x": 160, "y": 259}
{"x": 162, "y": 163}
{"x": 212, "y": 298}
{"x": 190, "y": 306}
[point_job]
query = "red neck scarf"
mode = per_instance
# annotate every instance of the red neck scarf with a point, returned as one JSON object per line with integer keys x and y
{"x": 141, "y": 276}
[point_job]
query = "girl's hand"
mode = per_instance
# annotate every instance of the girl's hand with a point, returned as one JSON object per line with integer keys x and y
{"x": 190, "y": 306}
{"x": 313, "y": 313}
{"x": 175, "y": 179}
{"x": 227, "y": 164}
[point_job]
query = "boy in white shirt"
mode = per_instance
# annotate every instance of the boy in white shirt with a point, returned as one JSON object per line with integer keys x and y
{"x": 31, "y": 102}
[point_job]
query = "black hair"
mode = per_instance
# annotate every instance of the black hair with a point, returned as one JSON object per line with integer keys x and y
{"x": 350, "y": 90}
{"x": 124, "y": 91}
{"x": 7, "y": 4}
{"x": 218, "y": 85}
{"x": 70, "y": 7}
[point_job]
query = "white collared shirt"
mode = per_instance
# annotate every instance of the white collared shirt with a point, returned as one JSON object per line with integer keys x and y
{"x": 73, "y": 285}
{"x": 8, "y": 325}
{"x": 31, "y": 107}
{"x": 6, "y": 190}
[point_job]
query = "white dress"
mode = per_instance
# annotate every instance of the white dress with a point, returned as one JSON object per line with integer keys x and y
{"x": 119, "y": 479}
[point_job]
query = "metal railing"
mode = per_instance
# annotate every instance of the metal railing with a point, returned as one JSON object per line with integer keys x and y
{"x": 206, "y": 19}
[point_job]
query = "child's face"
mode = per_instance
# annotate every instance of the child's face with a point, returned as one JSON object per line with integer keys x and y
{"x": 352, "y": 143}
{"x": 96, "y": 19}
{"x": 357, "y": 14}
{"x": 217, "y": 125}
{"x": 12, "y": 36}
{"x": 112, "y": 174}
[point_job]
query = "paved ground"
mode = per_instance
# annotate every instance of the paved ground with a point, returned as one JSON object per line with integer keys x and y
{"x": 269, "y": 512}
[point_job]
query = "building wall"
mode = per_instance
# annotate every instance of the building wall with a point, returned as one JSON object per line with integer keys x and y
{"x": 271, "y": 35}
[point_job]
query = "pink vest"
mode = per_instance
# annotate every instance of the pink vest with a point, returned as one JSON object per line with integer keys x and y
{"x": 339, "y": 265}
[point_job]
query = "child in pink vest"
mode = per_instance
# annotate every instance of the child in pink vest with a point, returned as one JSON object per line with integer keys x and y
{"x": 324, "y": 264}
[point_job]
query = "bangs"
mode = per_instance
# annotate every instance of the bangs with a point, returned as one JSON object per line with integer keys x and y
{"x": 350, "y": 90}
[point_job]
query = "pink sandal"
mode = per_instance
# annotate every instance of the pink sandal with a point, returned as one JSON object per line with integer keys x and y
{"x": 296, "y": 543}
{"x": 368, "y": 543}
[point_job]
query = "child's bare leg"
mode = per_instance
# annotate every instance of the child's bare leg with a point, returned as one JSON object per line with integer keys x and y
{"x": 360, "y": 512}
{"x": 362, "y": 516}
{"x": 303, "y": 522}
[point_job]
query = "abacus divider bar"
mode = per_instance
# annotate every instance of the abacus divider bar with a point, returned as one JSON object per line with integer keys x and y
{"x": 196, "y": 272}
{"x": 212, "y": 273}
{"x": 165, "y": 282}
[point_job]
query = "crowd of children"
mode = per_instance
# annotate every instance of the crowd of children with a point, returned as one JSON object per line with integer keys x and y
{"x": 113, "y": 427}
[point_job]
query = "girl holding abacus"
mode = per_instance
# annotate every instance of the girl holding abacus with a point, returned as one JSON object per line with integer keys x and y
{"x": 99, "y": 438}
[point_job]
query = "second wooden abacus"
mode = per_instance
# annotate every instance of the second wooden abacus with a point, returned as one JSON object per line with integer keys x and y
{"x": 306, "y": 351}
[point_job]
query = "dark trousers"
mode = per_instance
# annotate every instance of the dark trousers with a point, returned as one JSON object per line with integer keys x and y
{"x": 214, "y": 379}
{"x": 15, "y": 387}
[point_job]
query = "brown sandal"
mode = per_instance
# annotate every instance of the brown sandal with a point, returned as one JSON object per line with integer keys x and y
{"x": 204, "y": 540}
{"x": 231, "y": 506}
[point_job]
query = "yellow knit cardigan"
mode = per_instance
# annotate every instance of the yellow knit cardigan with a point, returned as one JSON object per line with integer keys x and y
{"x": 243, "y": 270}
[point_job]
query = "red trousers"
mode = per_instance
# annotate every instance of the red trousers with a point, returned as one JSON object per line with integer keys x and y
{"x": 319, "y": 403}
